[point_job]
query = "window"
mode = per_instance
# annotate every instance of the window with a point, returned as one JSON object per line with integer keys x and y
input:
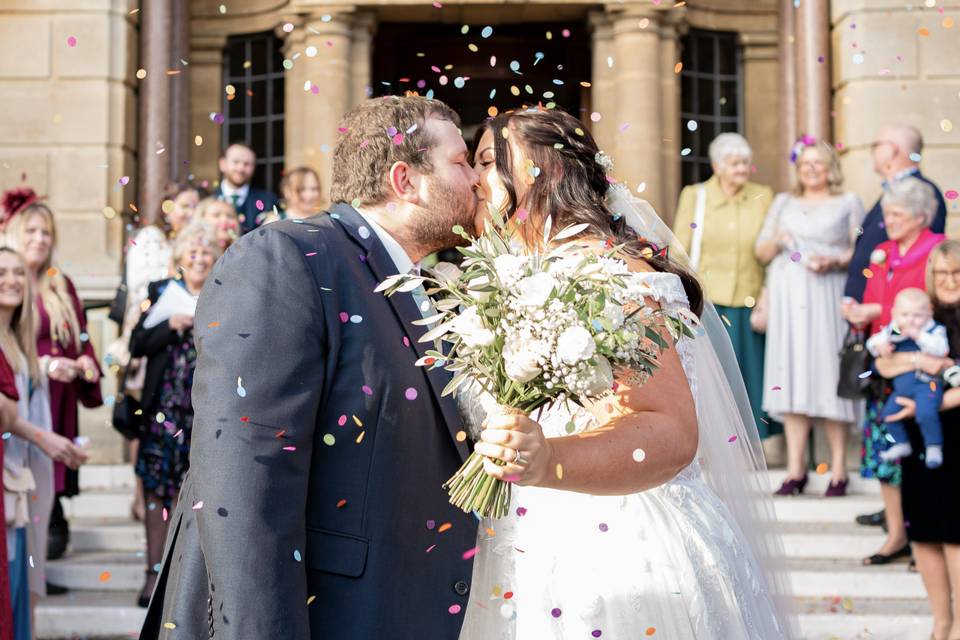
{"x": 710, "y": 97}
{"x": 253, "y": 113}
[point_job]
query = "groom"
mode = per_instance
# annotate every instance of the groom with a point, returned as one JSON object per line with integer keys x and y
{"x": 313, "y": 507}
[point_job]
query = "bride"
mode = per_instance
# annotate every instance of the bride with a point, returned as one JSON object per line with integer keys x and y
{"x": 645, "y": 514}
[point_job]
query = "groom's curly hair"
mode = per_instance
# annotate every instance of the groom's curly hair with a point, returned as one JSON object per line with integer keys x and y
{"x": 373, "y": 136}
{"x": 570, "y": 186}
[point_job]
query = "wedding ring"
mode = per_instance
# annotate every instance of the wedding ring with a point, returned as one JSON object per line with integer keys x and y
{"x": 519, "y": 459}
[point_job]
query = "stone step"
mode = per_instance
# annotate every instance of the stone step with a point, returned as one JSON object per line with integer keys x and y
{"x": 99, "y": 571}
{"x": 833, "y": 545}
{"x": 817, "y": 483}
{"x": 107, "y": 476}
{"x": 849, "y": 579}
{"x": 99, "y": 615}
{"x": 824, "y": 510}
{"x": 106, "y": 535}
{"x": 99, "y": 504}
{"x": 864, "y": 618}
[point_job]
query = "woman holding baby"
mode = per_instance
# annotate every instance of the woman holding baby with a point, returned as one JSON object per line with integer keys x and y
{"x": 933, "y": 529}
{"x": 897, "y": 264}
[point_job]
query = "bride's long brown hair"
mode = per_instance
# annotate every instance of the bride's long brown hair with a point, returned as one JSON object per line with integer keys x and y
{"x": 571, "y": 186}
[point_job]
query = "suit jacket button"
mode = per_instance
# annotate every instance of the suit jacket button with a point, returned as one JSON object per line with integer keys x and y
{"x": 462, "y": 588}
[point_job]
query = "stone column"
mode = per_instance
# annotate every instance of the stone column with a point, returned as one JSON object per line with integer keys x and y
{"x": 639, "y": 103}
{"x": 312, "y": 118}
{"x": 788, "y": 88}
{"x": 813, "y": 69}
{"x": 361, "y": 56}
{"x": 671, "y": 24}
{"x": 760, "y": 102}
{"x": 603, "y": 90}
{"x": 155, "y": 94}
{"x": 206, "y": 98}
{"x": 178, "y": 151}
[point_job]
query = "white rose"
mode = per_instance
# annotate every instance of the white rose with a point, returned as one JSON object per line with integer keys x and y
{"x": 520, "y": 361}
{"x": 614, "y": 313}
{"x": 567, "y": 265}
{"x": 509, "y": 267}
{"x": 575, "y": 345}
{"x": 481, "y": 282}
{"x": 469, "y": 326}
{"x": 535, "y": 290}
{"x": 601, "y": 377}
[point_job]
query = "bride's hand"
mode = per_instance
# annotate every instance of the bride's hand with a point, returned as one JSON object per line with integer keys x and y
{"x": 503, "y": 437}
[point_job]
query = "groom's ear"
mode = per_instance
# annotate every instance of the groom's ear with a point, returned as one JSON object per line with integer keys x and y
{"x": 404, "y": 182}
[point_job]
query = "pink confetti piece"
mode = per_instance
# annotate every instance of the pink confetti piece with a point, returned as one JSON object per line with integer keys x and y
{"x": 776, "y": 388}
{"x": 454, "y": 609}
{"x": 344, "y": 317}
{"x": 521, "y": 511}
{"x": 124, "y": 180}
{"x": 437, "y": 5}
{"x": 406, "y": 341}
{"x": 342, "y": 421}
{"x": 410, "y": 394}
{"x": 290, "y": 448}
{"x": 603, "y": 527}
{"x": 398, "y": 139}
{"x": 469, "y": 553}
{"x": 259, "y": 204}
{"x": 367, "y": 390}
{"x": 165, "y": 514}
{"x": 951, "y": 194}
{"x": 732, "y": 439}
{"x": 431, "y": 548}
{"x": 311, "y": 254}
{"x": 71, "y": 41}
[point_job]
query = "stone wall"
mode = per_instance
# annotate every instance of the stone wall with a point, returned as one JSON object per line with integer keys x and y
{"x": 894, "y": 63}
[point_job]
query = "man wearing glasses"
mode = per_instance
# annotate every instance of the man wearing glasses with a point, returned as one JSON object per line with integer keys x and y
{"x": 896, "y": 155}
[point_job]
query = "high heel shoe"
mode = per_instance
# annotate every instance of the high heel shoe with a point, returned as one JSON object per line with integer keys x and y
{"x": 837, "y": 489}
{"x": 792, "y": 487}
{"x": 143, "y": 601}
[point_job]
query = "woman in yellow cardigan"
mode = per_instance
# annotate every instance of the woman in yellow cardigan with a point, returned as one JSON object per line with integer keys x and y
{"x": 717, "y": 223}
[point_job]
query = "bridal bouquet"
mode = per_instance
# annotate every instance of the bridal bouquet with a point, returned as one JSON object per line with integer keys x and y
{"x": 534, "y": 329}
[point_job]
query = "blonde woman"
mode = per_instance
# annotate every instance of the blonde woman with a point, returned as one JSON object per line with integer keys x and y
{"x": 807, "y": 241}
{"x": 28, "y": 472}
{"x": 63, "y": 346}
{"x": 301, "y": 195}
{"x": 222, "y": 218}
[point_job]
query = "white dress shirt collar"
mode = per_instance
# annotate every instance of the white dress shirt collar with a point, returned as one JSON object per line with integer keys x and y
{"x": 228, "y": 191}
{"x": 397, "y": 253}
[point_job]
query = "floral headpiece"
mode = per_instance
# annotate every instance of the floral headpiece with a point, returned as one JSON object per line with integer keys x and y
{"x": 604, "y": 161}
{"x": 802, "y": 143}
{"x": 16, "y": 200}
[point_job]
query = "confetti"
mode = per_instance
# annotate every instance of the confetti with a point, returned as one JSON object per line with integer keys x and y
{"x": 639, "y": 455}
{"x": 951, "y": 194}
{"x": 469, "y": 553}
{"x": 357, "y": 421}
{"x": 329, "y": 439}
{"x": 296, "y": 555}
{"x": 454, "y": 609}
{"x": 822, "y": 468}
{"x": 169, "y": 625}
{"x": 446, "y": 526}
{"x": 105, "y": 576}
{"x": 341, "y": 503}
{"x": 367, "y": 390}
{"x": 651, "y": 630}
{"x": 310, "y": 600}
{"x": 732, "y": 439}
{"x": 342, "y": 421}
{"x": 487, "y": 32}
{"x": 240, "y": 390}
{"x": 603, "y": 527}
{"x": 555, "y": 613}
{"x": 596, "y": 633}
{"x": 410, "y": 394}
{"x": 559, "y": 472}
{"x": 72, "y": 41}
{"x": 431, "y": 525}
{"x": 364, "y": 232}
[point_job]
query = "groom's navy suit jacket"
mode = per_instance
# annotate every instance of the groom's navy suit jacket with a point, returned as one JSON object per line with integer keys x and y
{"x": 313, "y": 507}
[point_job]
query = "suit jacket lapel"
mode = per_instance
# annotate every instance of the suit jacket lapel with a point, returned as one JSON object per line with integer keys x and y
{"x": 405, "y": 308}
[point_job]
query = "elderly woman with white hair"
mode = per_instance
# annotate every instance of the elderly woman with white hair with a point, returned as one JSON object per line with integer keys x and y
{"x": 717, "y": 223}
{"x": 909, "y": 208}
{"x": 166, "y": 341}
{"x": 807, "y": 241}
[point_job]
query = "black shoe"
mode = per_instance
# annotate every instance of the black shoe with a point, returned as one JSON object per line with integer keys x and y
{"x": 56, "y": 590}
{"x": 879, "y": 558}
{"x": 877, "y": 519}
{"x": 59, "y": 532}
{"x": 143, "y": 600}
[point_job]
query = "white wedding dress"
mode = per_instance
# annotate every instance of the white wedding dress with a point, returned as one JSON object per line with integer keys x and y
{"x": 671, "y": 562}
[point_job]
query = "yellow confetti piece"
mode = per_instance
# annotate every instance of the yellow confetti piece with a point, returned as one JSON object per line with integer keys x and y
{"x": 822, "y": 468}
{"x": 109, "y": 213}
{"x": 867, "y": 273}
{"x": 492, "y": 111}
{"x": 559, "y": 472}
{"x": 947, "y": 23}
{"x": 141, "y": 74}
{"x": 198, "y": 140}
{"x": 505, "y": 132}
{"x": 749, "y": 302}
{"x": 169, "y": 625}
{"x": 357, "y": 420}
{"x": 461, "y": 436}
{"x": 726, "y": 320}
{"x": 946, "y": 125}
{"x": 473, "y": 47}
{"x": 585, "y": 84}
{"x": 167, "y": 206}
{"x": 847, "y": 604}
{"x": 360, "y": 437}
{"x": 515, "y": 90}
{"x": 578, "y": 131}
{"x": 310, "y": 600}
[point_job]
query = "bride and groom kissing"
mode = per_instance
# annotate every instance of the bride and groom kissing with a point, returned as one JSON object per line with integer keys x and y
{"x": 314, "y": 505}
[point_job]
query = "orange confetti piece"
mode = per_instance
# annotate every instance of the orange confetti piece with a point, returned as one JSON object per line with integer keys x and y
{"x": 461, "y": 436}
{"x": 651, "y": 631}
{"x": 822, "y": 468}
{"x": 678, "y": 67}
{"x": 52, "y": 272}
{"x": 213, "y": 325}
{"x": 105, "y": 576}
{"x": 446, "y": 526}
{"x": 491, "y": 532}
{"x": 341, "y": 503}
{"x": 923, "y": 31}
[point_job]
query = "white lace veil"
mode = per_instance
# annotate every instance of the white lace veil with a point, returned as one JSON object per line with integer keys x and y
{"x": 730, "y": 450}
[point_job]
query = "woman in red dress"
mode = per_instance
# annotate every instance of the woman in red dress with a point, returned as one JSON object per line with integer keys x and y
{"x": 64, "y": 348}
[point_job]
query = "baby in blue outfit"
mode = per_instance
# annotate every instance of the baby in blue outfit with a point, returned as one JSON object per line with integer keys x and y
{"x": 913, "y": 329}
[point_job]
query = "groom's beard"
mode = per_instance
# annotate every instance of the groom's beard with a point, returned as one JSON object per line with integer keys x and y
{"x": 431, "y": 228}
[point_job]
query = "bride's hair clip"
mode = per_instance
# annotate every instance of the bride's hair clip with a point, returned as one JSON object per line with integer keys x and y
{"x": 604, "y": 161}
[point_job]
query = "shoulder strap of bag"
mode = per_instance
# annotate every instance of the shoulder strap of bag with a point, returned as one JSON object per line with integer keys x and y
{"x": 699, "y": 213}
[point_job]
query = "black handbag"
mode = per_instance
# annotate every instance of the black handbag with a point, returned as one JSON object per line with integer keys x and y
{"x": 856, "y": 363}
{"x": 118, "y": 308}
{"x": 127, "y": 411}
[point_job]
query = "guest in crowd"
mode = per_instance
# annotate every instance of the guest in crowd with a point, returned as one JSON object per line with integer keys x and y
{"x": 62, "y": 344}
{"x": 301, "y": 195}
{"x": 807, "y": 241}
{"x": 148, "y": 260}
{"x": 909, "y": 208}
{"x": 896, "y": 154}
{"x": 717, "y": 223}
{"x": 28, "y": 469}
{"x": 237, "y": 165}
{"x": 163, "y": 456}
{"x": 934, "y": 530}
{"x": 220, "y": 216}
